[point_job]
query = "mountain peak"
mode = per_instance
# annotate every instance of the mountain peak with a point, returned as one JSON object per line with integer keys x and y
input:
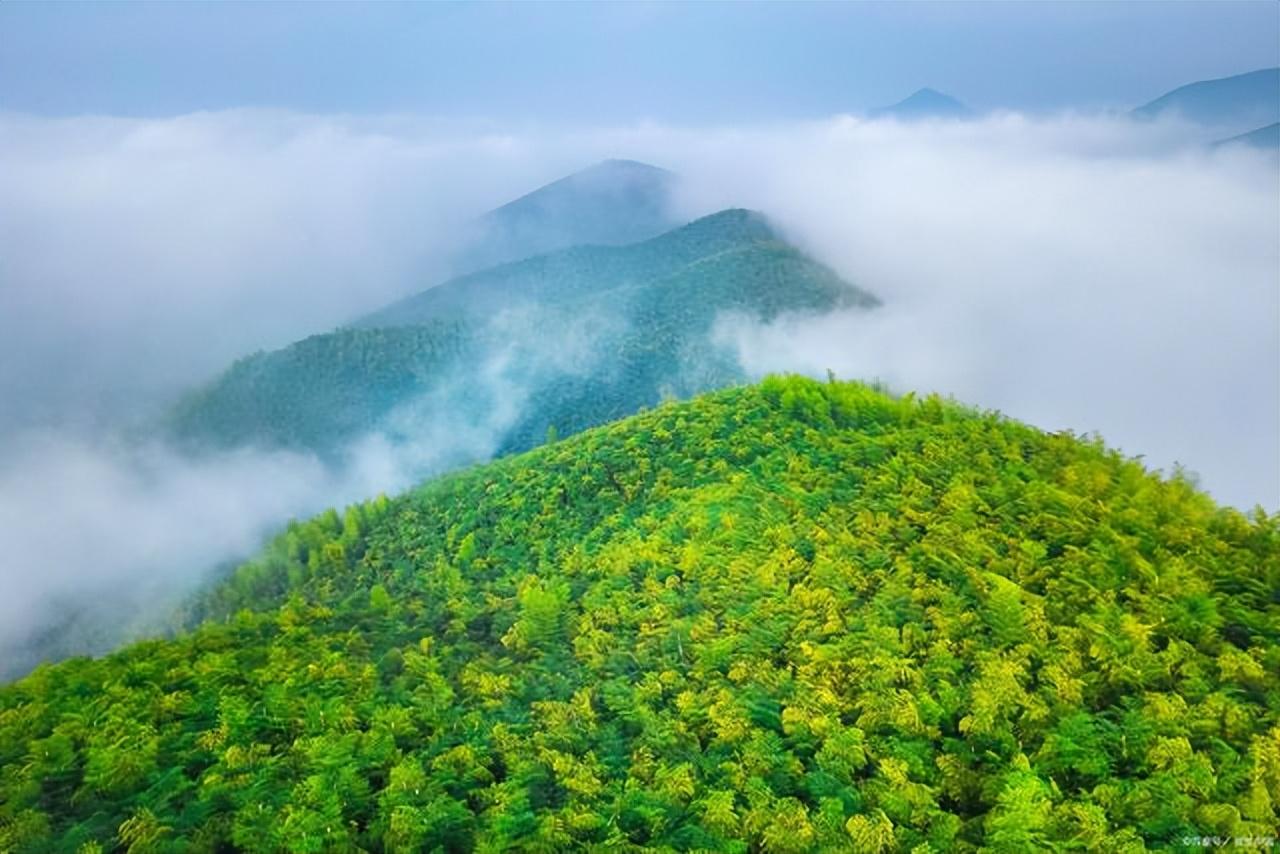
{"x": 612, "y": 203}
{"x": 1241, "y": 101}
{"x": 928, "y": 94}
{"x": 607, "y": 178}
{"x": 622, "y": 165}
{"x": 739, "y": 221}
{"x": 924, "y": 103}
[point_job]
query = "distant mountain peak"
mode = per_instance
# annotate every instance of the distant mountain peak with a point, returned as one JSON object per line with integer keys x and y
{"x": 616, "y": 164}
{"x": 612, "y": 202}
{"x": 924, "y": 103}
{"x": 929, "y": 95}
{"x": 607, "y": 177}
{"x": 740, "y": 221}
{"x": 1241, "y": 101}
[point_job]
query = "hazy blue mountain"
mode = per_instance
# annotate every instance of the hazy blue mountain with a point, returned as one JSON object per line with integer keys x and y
{"x": 612, "y": 203}
{"x": 1267, "y": 137}
{"x": 553, "y": 278}
{"x": 1243, "y": 101}
{"x": 566, "y": 340}
{"x": 924, "y": 104}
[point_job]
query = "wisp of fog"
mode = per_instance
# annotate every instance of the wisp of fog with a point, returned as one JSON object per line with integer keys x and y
{"x": 1076, "y": 272}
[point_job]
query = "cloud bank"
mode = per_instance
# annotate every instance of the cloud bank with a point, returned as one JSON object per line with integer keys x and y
{"x": 1075, "y": 272}
{"x": 104, "y": 536}
{"x": 1072, "y": 273}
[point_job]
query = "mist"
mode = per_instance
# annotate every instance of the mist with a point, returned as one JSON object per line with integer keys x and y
{"x": 1073, "y": 271}
{"x": 106, "y": 534}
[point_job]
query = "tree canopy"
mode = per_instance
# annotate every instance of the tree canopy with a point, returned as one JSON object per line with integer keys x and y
{"x": 794, "y": 617}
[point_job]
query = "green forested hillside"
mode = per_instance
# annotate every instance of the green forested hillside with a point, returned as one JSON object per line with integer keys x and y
{"x": 323, "y": 387}
{"x": 797, "y": 617}
{"x": 642, "y": 316}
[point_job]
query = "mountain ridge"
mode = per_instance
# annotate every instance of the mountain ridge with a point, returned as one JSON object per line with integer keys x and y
{"x": 642, "y": 314}
{"x": 1243, "y": 101}
{"x": 670, "y": 250}
{"x": 613, "y": 202}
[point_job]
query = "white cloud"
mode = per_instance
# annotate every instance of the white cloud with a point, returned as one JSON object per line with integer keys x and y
{"x": 1130, "y": 289}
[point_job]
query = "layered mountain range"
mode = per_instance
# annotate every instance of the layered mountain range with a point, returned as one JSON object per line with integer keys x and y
{"x": 581, "y": 335}
{"x": 680, "y": 611}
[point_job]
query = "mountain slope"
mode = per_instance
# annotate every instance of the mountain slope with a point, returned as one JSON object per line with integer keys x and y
{"x": 560, "y": 277}
{"x": 924, "y": 104}
{"x": 588, "y": 334}
{"x": 1243, "y": 101}
{"x": 325, "y": 386}
{"x": 614, "y": 202}
{"x": 798, "y": 617}
{"x": 1267, "y": 138}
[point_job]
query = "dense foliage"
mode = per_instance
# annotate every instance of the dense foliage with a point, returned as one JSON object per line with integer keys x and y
{"x": 322, "y": 388}
{"x": 637, "y": 318}
{"x": 797, "y": 617}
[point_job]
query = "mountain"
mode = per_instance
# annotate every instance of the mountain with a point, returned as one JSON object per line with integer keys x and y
{"x": 581, "y": 271}
{"x": 1267, "y": 138}
{"x": 614, "y": 202}
{"x": 322, "y": 389}
{"x": 794, "y": 617}
{"x": 924, "y": 104}
{"x": 1241, "y": 102}
{"x": 564, "y": 341}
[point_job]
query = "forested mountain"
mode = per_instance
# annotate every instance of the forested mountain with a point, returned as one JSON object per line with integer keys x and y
{"x": 580, "y": 272}
{"x": 797, "y": 617}
{"x": 611, "y": 203}
{"x": 581, "y": 336}
{"x": 1243, "y": 101}
{"x": 924, "y": 104}
{"x": 322, "y": 388}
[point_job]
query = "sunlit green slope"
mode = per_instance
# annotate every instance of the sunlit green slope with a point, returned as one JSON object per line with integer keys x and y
{"x": 797, "y": 617}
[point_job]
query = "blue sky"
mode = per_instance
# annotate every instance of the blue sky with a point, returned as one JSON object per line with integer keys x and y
{"x": 617, "y": 62}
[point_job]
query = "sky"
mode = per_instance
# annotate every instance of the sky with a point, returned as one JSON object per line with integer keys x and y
{"x": 614, "y": 62}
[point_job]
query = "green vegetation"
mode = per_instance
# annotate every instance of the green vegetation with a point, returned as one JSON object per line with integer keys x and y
{"x": 606, "y": 273}
{"x": 321, "y": 389}
{"x": 641, "y": 314}
{"x": 797, "y": 617}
